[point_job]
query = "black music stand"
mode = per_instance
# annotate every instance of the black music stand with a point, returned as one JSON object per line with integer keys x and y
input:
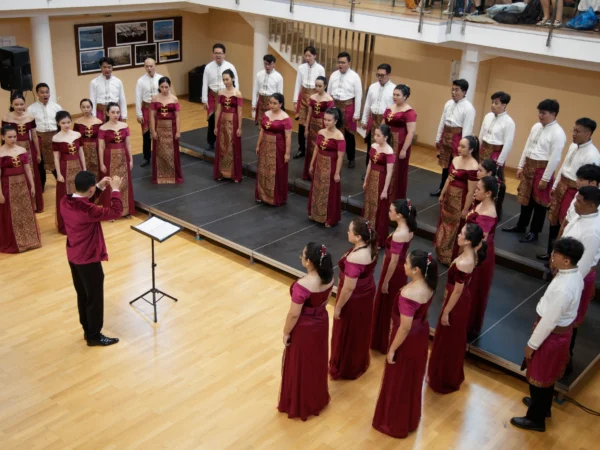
{"x": 157, "y": 230}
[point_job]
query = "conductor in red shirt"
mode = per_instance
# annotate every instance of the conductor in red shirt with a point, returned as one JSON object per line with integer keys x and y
{"x": 86, "y": 249}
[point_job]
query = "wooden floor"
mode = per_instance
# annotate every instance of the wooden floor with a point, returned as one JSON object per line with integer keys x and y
{"x": 207, "y": 375}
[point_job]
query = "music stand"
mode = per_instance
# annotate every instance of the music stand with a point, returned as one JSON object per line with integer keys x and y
{"x": 157, "y": 230}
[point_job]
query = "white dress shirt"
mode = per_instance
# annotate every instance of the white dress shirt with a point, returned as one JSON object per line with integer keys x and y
{"x": 558, "y": 307}
{"x": 498, "y": 130}
{"x": 145, "y": 89}
{"x": 457, "y": 114}
{"x": 379, "y": 98}
{"x": 106, "y": 90}
{"x": 213, "y": 78}
{"x": 545, "y": 143}
{"x": 586, "y": 229}
{"x": 267, "y": 84}
{"x": 44, "y": 115}
{"x": 346, "y": 86}
{"x": 307, "y": 76}
{"x": 577, "y": 156}
{"x": 571, "y": 214}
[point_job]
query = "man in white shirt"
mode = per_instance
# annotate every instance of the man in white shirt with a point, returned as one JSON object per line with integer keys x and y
{"x": 497, "y": 131}
{"x": 305, "y": 87}
{"x": 547, "y": 350}
{"x": 346, "y": 89}
{"x": 587, "y": 175}
{"x": 268, "y": 82}
{"x": 212, "y": 83}
{"x": 44, "y": 111}
{"x": 105, "y": 89}
{"x": 145, "y": 89}
{"x": 457, "y": 122}
{"x": 539, "y": 160}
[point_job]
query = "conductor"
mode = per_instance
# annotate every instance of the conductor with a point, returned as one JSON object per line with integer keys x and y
{"x": 86, "y": 249}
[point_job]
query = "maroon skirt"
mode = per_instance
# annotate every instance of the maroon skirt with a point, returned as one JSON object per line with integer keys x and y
{"x": 549, "y": 361}
{"x": 479, "y": 287}
{"x": 589, "y": 289}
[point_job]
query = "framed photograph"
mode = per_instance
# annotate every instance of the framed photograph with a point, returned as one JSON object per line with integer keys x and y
{"x": 89, "y": 61}
{"x": 143, "y": 52}
{"x": 120, "y": 55}
{"x": 91, "y": 37}
{"x": 169, "y": 52}
{"x": 131, "y": 33}
{"x": 164, "y": 30}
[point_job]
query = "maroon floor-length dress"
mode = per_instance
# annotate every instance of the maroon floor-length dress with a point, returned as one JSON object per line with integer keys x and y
{"x": 325, "y": 197}
{"x": 376, "y": 210}
{"x": 272, "y": 170}
{"x": 116, "y": 160}
{"x": 316, "y": 125}
{"x": 89, "y": 140}
{"x": 70, "y": 165}
{"x": 166, "y": 162}
{"x": 398, "y": 409}
{"x": 19, "y": 229}
{"x": 228, "y": 148}
{"x": 351, "y": 334}
{"x": 304, "y": 390}
{"x": 397, "y": 123}
{"x": 446, "y": 371}
{"x": 382, "y": 312}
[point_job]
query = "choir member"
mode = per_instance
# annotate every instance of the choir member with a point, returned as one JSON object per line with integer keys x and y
{"x": 88, "y": 125}
{"x": 69, "y": 160}
{"x": 146, "y": 88}
{"x": 105, "y": 89}
{"x": 445, "y": 371}
{"x": 345, "y": 87}
{"x": 587, "y": 175}
{"x": 27, "y": 138}
{"x": 398, "y": 409}
{"x": 536, "y": 168}
{"x": 325, "y": 197}
{"x": 402, "y": 120}
{"x": 116, "y": 159}
{"x": 318, "y": 103}
{"x": 377, "y": 183}
{"x": 305, "y": 87}
{"x": 353, "y": 314}
{"x": 497, "y": 131}
{"x": 19, "y": 230}
{"x": 165, "y": 127}
{"x": 456, "y": 122}
{"x": 489, "y": 168}
{"x": 456, "y": 197}
{"x": 304, "y": 390}
{"x": 228, "y": 130}
{"x": 268, "y": 82}
{"x": 393, "y": 276}
{"x": 547, "y": 350}
{"x": 273, "y": 150}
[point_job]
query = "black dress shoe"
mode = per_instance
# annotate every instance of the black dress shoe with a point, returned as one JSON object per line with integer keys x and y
{"x": 545, "y": 257}
{"x": 145, "y": 163}
{"x": 526, "y": 424}
{"x": 351, "y": 165}
{"x": 299, "y": 154}
{"x": 210, "y": 147}
{"x": 527, "y": 402}
{"x": 514, "y": 229}
{"x": 529, "y": 237}
{"x": 435, "y": 193}
{"x": 102, "y": 341}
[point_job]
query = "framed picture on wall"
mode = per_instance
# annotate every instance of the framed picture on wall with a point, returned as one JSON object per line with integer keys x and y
{"x": 164, "y": 30}
{"x": 131, "y": 33}
{"x": 89, "y": 61}
{"x": 143, "y": 52}
{"x": 120, "y": 55}
{"x": 169, "y": 52}
{"x": 91, "y": 37}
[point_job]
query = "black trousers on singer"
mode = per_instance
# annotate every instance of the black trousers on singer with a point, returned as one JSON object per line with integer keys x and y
{"x": 211, "y": 138}
{"x": 539, "y": 216}
{"x": 147, "y": 148}
{"x": 88, "y": 280}
{"x": 541, "y": 402}
{"x": 350, "y": 145}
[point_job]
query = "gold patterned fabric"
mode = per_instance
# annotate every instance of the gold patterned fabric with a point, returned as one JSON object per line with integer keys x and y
{"x": 267, "y": 168}
{"x": 449, "y": 222}
{"x": 447, "y": 145}
{"x": 486, "y": 150}
{"x": 22, "y": 216}
{"x": 45, "y": 139}
{"x": 262, "y": 106}
{"x": 118, "y": 166}
{"x": 316, "y": 125}
{"x": 527, "y": 183}
{"x": 73, "y": 168}
{"x": 165, "y": 162}
{"x": 320, "y": 191}
{"x": 226, "y": 149}
{"x": 304, "y": 99}
{"x": 32, "y": 160}
{"x": 376, "y": 121}
{"x": 372, "y": 197}
{"x": 90, "y": 152}
{"x": 557, "y": 197}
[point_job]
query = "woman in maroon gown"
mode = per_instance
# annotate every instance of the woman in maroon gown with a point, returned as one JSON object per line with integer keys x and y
{"x": 456, "y": 197}
{"x": 377, "y": 183}
{"x": 228, "y": 130}
{"x": 19, "y": 230}
{"x": 165, "y": 130}
{"x": 88, "y": 125}
{"x": 304, "y": 390}
{"x": 27, "y": 138}
{"x": 445, "y": 372}
{"x": 114, "y": 150}
{"x": 68, "y": 161}
{"x": 317, "y": 105}
{"x": 353, "y": 314}
{"x": 402, "y": 120}
{"x": 273, "y": 150}
{"x": 398, "y": 409}
{"x": 325, "y": 197}
{"x": 488, "y": 168}
{"x": 392, "y": 277}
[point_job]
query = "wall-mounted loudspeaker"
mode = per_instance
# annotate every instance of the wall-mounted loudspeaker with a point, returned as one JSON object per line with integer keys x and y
{"x": 15, "y": 69}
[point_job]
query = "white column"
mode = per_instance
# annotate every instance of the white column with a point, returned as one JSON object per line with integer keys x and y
{"x": 261, "y": 43}
{"x": 469, "y": 69}
{"x": 42, "y": 64}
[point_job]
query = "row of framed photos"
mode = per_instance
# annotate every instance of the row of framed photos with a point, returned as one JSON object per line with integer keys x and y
{"x": 130, "y": 33}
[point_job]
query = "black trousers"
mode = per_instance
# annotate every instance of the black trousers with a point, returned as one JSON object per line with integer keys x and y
{"x": 210, "y": 136}
{"x": 541, "y": 402}
{"x": 88, "y": 280}
{"x": 147, "y": 139}
{"x": 445, "y": 173}
{"x": 368, "y": 141}
{"x": 572, "y": 346}
{"x": 42, "y": 173}
{"x": 539, "y": 215}
{"x": 350, "y": 145}
{"x": 301, "y": 139}
{"x": 552, "y": 235}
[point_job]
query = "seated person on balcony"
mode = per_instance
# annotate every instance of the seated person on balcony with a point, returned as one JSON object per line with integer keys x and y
{"x": 547, "y": 20}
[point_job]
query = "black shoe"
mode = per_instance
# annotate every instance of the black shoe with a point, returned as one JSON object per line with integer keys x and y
{"x": 529, "y": 237}
{"x": 351, "y": 165}
{"x": 514, "y": 229}
{"x": 527, "y": 402}
{"x": 545, "y": 257}
{"x": 102, "y": 341}
{"x": 210, "y": 147}
{"x": 145, "y": 163}
{"x": 299, "y": 154}
{"x": 526, "y": 424}
{"x": 435, "y": 193}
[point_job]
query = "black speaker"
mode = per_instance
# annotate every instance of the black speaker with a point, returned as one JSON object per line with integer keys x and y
{"x": 15, "y": 69}
{"x": 195, "y": 84}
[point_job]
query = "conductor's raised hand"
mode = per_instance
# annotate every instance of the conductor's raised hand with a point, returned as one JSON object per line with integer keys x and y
{"x": 115, "y": 182}
{"x": 104, "y": 182}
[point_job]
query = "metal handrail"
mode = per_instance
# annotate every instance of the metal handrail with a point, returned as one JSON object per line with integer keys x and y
{"x": 353, "y": 4}
{"x": 292, "y": 6}
{"x": 551, "y": 30}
